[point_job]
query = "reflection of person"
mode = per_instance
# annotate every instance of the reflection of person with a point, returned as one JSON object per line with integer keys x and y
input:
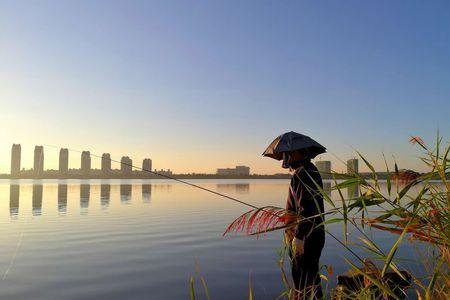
{"x": 308, "y": 237}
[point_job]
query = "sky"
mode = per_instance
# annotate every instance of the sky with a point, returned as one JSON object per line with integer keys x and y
{"x": 200, "y": 85}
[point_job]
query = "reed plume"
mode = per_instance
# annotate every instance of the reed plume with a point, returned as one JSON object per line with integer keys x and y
{"x": 261, "y": 220}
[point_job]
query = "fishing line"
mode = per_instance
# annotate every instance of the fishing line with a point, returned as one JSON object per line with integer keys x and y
{"x": 165, "y": 176}
{"x": 16, "y": 250}
{"x": 199, "y": 187}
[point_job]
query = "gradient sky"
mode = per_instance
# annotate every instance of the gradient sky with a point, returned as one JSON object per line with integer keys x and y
{"x": 197, "y": 85}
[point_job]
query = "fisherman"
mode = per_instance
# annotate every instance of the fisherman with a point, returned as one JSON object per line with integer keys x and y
{"x": 306, "y": 237}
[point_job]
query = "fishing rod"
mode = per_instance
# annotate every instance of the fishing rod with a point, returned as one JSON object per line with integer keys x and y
{"x": 201, "y": 188}
{"x": 134, "y": 167}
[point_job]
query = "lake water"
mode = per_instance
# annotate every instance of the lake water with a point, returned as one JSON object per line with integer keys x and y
{"x": 141, "y": 239}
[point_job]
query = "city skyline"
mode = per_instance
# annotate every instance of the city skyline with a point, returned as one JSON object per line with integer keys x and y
{"x": 128, "y": 169}
{"x": 126, "y": 166}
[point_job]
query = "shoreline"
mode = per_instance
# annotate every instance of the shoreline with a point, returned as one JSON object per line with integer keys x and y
{"x": 175, "y": 176}
{"x": 339, "y": 176}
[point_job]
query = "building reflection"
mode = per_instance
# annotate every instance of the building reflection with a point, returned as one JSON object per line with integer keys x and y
{"x": 37, "y": 200}
{"x": 62, "y": 198}
{"x": 85, "y": 191}
{"x": 125, "y": 193}
{"x": 239, "y": 188}
{"x": 242, "y": 188}
{"x": 146, "y": 193}
{"x": 105, "y": 195}
{"x": 14, "y": 194}
{"x": 327, "y": 188}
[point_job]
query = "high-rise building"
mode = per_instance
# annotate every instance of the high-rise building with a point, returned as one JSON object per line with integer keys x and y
{"x": 352, "y": 166}
{"x": 85, "y": 162}
{"x": 15, "y": 159}
{"x": 126, "y": 165}
{"x": 147, "y": 164}
{"x": 324, "y": 166}
{"x": 63, "y": 161}
{"x": 106, "y": 163}
{"x": 38, "y": 167}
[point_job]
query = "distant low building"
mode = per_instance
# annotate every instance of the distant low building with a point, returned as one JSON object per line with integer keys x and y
{"x": 167, "y": 172}
{"x": 237, "y": 171}
{"x": 224, "y": 171}
{"x": 242, "y": 170}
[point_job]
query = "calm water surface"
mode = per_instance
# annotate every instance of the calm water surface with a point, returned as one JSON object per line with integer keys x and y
{"x": 141, "y": 239}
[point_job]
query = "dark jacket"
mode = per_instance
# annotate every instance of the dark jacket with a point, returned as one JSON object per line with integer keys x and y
{"x": 304, "y": 199}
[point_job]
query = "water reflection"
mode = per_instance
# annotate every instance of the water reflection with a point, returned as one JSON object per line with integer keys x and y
{"x": 62, "y": 198}
{"x": 163, "y": 187}
{"x": 37, "y": 199}
{"x": 14, "y": 194}
{"x": 239, "y": 188}
{"x": 105, "y": 194}
{"x": 242, "y": 188}
{"x": 146, "y": 193}
{"x": 137, "y": 237}
{"x": 125, "y": 193}
{"x": 85, "y": 191}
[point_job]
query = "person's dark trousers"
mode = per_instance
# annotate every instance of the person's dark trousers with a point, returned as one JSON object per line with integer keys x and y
{"x": 305, "y": 270}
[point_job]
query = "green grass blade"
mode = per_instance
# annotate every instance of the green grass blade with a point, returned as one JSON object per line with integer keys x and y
{"x": 367, "y": 163}
{"x": 205, "y": 288}
{"x": 250, "y": 288}
{"x": 388, "y": 176}
{"x": 430, "y": 287}
{"x": 393, "y": 250}
{"x": 192, "y": 288}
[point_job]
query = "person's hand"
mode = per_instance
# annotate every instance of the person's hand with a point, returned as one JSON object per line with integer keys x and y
{"x": 288, "y": 236}
{"x": 298, "y": 246}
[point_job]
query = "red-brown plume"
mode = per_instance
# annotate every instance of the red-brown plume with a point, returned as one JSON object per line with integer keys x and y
{"x": 406, "y": 176}
{"x": 260, "y": 220}
{"x": 416, "y": 140}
